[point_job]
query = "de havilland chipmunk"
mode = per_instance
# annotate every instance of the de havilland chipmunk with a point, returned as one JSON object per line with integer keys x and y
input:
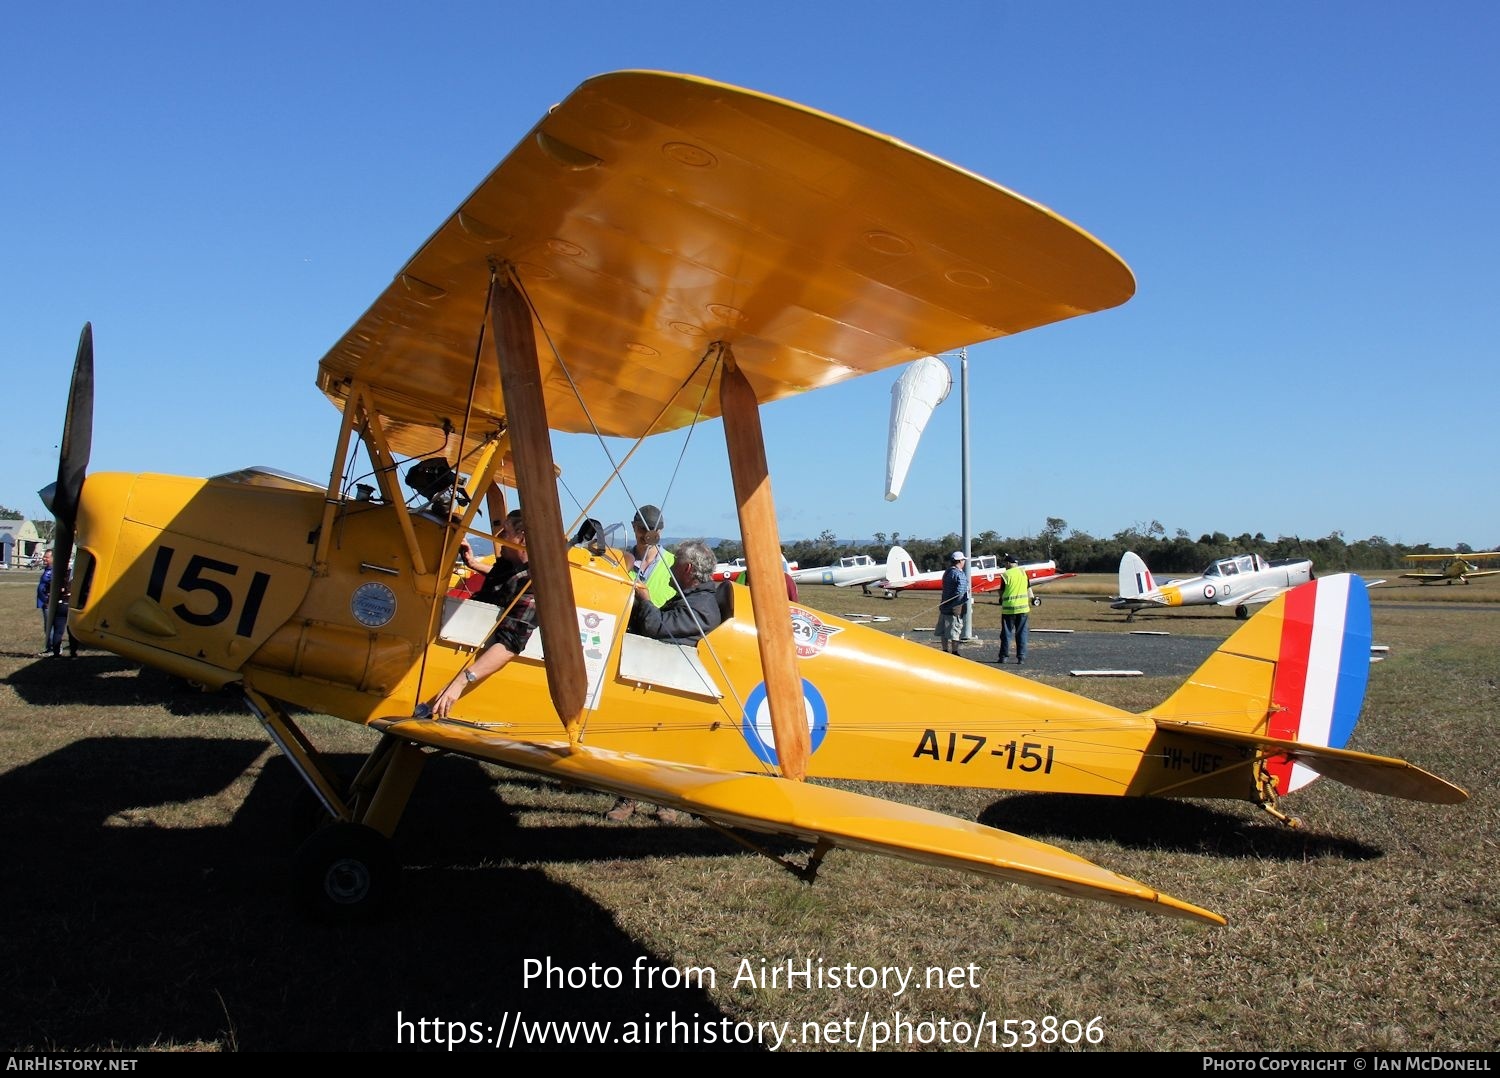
{"x": 661, "y": 249}
{"x": 986, "y": 574}
{"x": 1240, "y": 581}
{"x": 853, "y": 570}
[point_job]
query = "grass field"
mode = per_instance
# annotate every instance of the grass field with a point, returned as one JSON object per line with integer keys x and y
{"x": 148, "y": 831}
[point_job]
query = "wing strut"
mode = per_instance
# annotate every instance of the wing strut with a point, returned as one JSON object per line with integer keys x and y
{"x": 773, "y": 616}
{"x": 536, "y": 481}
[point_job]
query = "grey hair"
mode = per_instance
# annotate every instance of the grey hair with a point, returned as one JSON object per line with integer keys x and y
{"x": 701, "y": 559}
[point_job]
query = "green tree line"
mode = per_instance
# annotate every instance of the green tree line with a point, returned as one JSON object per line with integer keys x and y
{"x": 1079, "y": 552}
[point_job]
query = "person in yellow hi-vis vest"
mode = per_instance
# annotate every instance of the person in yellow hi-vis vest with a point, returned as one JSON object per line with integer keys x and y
{"x": 650, "y": 564}
{"x": 1015, "y": 608}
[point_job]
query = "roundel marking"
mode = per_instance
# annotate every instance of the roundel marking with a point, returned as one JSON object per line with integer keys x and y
{"x": 755, "y": 724}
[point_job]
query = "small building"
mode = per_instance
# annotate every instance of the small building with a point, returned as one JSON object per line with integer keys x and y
{"x": 20, "y": 543}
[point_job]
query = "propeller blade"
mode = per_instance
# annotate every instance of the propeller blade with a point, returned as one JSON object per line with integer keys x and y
{"x": 61, "y": 498}
{"x": 78, "y": 434}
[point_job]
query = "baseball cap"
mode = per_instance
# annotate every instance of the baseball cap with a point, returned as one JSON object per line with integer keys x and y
{"x": 957, "y": 555}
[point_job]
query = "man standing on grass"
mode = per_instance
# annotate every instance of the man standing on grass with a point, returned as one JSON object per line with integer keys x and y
{"x": 954, "y": 603}
{"x": 1015, "y": 609}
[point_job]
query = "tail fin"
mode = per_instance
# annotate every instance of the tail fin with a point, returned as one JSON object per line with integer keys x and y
{"x": 1135, "y": 578}
{"x": 1291, "y": 683}
{"x": 899, "y": 565}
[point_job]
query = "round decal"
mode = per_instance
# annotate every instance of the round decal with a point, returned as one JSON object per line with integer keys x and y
{"x": 809, "y": 633}
{"x": 755, "y": 726}
{"x": 1208, "y": 591}
{"x": 373, "y": 604}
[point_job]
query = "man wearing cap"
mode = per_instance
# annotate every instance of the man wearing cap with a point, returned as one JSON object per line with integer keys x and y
{"x": 955, "y": 602}
{"x": 1015, "y": 608}
{"x": 652, "y": 565}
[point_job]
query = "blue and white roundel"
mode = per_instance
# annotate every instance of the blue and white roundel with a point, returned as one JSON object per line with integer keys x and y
{"x": 755, "y": 726}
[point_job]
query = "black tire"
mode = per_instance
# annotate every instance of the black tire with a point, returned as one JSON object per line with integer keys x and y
{"x": 345, "y": 871}
{"x": 1242, "y": 611}
{"x": 1036, "y": 600}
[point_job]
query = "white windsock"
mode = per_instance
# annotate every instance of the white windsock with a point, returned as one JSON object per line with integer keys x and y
{"x": 919, "y": 390}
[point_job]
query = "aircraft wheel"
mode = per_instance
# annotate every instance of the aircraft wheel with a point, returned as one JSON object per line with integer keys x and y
{"x": 345, "y": 871}
{"x": 1036, "y": 600}
{"x": 1242, "y": 612}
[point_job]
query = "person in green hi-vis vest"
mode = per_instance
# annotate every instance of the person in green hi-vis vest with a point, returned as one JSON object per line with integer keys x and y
{"x": 1015, "y": 608}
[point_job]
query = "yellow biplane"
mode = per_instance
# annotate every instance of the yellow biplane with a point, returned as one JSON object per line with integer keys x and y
{"x": 1452, "y": 568}
{"x": 657, "y": 250}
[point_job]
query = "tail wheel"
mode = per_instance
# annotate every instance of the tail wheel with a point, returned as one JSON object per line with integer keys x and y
{"x": 345, "y": 871}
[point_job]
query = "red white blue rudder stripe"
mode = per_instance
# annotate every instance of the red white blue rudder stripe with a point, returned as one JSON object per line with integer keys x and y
{"x": 1321, "y": 670}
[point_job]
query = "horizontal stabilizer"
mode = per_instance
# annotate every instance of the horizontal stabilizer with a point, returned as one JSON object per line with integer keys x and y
{"x": 1373, "y": 774}
{"x": 806, "y": 812}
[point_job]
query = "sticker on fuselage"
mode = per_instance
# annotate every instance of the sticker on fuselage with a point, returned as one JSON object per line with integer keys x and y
{"x": 1208, "y": 591}
{"x": 373, "y": 604}
{"x": 755, "y": 724}
{"x": 809, "y": 633}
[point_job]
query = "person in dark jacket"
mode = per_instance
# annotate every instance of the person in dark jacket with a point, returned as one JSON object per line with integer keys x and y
{"x": 43, "y": 591}
{"x": 682, "y": 619}
{"x": 693, "y": 611}
{"x": 518, "y": 600}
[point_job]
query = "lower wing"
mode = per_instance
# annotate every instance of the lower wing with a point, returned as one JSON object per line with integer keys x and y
{"x": 1251, "y": 598}
{"x": 803, "y": 811}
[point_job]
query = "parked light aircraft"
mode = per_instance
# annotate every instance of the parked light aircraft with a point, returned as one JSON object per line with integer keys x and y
{"x": 984, "y": 575}
{"x": 735, "y": 569}
{"x": 853, "y": 570}
{"x": 688, "y": 249}
{"x": 1452, "y": 568}
{"x": 1241, "y": 581}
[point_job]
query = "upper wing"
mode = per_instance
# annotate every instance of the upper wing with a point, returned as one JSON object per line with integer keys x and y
{"x": 651, "y": 214}
{"x": 807, "y": 812}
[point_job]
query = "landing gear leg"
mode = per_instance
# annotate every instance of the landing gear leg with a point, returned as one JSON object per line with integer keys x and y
{"x": 347, "y": 868}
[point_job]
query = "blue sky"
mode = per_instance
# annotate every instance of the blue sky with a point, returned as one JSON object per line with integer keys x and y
{"x": 1307, "y": 194}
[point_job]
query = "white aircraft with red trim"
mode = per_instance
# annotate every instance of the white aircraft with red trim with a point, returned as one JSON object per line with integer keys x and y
{"x": 1240, "y": 581}
{"x": 985, "y": 575}
{"x": 735, "y": 568}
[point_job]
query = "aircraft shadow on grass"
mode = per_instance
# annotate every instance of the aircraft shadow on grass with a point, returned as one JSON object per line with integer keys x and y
{"x": 140, "y": 935}
{"x": 1164, "y": 824}
{"x": 99, "y": 680}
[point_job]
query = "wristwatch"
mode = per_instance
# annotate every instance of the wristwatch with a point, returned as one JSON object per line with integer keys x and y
{"x": 470, "y": 676}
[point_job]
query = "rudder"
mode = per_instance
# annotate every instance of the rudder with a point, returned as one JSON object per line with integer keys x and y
{"x": 1296, "y": 671}
{"x": 1135, "y": 579}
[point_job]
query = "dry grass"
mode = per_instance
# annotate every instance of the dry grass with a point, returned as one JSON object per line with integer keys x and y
{"x": 147, "y": 902}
